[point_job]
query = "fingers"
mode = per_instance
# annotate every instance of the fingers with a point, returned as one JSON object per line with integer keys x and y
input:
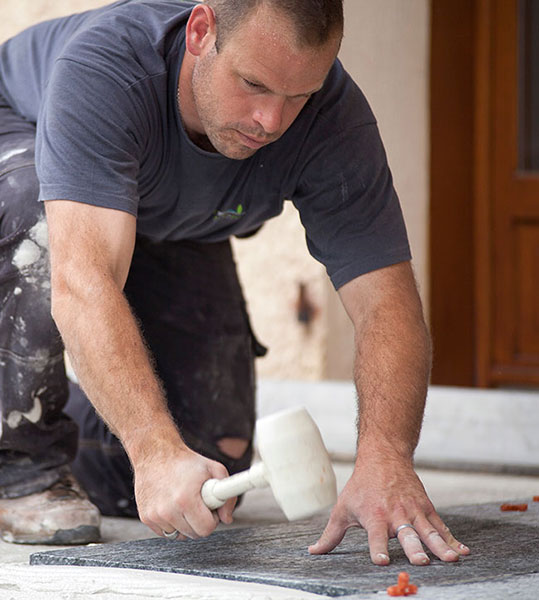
{"x": 430, "y": 531}
{"x": 178, "y": 506}
{"x": 447, "y": 536}
{"x": 178, "y": 537}
{"x": 225, "y": 512}
{"x": 331, "y": 537}
{"x": 190, "y": 524}
{"x": 411, "y": 544}
{"x": 435, "y": 535}
{"x": 382, "y": 499}
{"x": 378, "y": 540}
{"x": 161, "y": 532}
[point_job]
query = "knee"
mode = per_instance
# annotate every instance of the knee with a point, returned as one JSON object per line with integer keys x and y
{"x": 233, "y": 447}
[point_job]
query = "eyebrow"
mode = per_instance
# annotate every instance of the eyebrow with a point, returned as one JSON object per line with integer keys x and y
{"x": 257, "y": 82}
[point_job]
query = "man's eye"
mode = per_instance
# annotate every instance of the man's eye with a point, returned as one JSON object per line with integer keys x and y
{"x": 251, "y": 84}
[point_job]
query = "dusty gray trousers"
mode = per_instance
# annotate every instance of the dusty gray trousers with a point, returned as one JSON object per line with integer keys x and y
{"x": 189, "y": 303}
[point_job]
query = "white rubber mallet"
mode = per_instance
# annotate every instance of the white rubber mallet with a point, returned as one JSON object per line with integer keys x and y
{"x": 295, "y": 463}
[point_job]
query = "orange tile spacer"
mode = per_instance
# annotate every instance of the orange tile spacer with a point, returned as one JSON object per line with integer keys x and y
{"x": 403, "y": 587}
{"x": 515, "y": 507}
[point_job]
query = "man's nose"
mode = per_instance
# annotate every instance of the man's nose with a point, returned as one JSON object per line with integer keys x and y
{"x": 269, "y": 114}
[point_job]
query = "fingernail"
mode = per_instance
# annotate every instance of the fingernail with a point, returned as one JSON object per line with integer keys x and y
{"x": 424, "y": 559}
{"x": 464, "y": 548}
{"x": 383, "y": 557}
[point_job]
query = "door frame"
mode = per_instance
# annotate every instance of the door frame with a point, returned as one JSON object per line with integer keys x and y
{"x": 460, "y": 213}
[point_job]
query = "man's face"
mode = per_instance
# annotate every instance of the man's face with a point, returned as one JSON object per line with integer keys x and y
{"x": 249, "y": 93}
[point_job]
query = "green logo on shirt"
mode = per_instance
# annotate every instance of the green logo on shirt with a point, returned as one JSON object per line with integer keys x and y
{"x": 230, "y": 213}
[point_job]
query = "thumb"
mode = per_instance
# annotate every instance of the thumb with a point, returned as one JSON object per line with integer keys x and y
{"x": 225, "y": 512}
{"x": 331, "y": 537}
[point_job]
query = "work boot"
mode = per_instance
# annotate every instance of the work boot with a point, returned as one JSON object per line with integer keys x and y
{"x": 60, "y": 515}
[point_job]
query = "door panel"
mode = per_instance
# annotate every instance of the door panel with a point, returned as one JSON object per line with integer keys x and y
{"x": 515, "y": 198}
{"x": 527, "y": 304}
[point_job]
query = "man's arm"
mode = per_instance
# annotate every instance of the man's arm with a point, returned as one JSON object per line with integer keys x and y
{"x": 91, "y": 250}
{"x": 392, "y": 367}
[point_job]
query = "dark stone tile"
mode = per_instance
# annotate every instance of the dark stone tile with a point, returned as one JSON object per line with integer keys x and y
{"x": 502, "y": 545}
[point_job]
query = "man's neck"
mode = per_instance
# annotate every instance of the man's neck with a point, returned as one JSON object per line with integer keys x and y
{"x": 186, "y": 103}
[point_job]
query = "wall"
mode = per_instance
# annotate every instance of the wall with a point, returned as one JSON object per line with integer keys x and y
{"x": 386, "y": 51}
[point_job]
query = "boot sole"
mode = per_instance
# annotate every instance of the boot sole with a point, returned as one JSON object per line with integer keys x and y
{"x": 85, "y": 534}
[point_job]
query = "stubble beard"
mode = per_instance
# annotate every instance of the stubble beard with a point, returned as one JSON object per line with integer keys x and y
{"x": 217, "y": 137}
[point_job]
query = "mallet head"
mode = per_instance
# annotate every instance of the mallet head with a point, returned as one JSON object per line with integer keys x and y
{"x": 297, "y": 463}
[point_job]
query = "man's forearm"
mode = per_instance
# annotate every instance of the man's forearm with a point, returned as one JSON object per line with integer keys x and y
{"x": 113, "y": 366}
{"x": 392, "y": 367}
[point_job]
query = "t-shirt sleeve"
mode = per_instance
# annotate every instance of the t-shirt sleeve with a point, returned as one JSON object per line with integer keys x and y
{"x": 86, "y": 143}
{"x": 348, "y": 206}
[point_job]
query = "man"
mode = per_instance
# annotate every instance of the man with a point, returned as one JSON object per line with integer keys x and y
{"x": 163, "y": 128}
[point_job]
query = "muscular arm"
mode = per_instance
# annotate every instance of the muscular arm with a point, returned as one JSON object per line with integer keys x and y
{"x": 391, "y": 372}
{"x": 393, "y": 358}
{"x": 91, "y": 250}
{"x": 96, "y": 323}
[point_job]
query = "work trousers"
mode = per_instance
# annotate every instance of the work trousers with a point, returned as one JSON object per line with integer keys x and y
{"x": 188, "y": 301}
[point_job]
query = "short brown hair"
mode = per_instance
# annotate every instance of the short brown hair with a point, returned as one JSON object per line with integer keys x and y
{"x": 316, "y": 21}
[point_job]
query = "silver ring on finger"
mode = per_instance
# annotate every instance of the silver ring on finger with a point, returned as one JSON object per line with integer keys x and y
{"x": 173, "y": 535}
{"x": 404, "y": 526}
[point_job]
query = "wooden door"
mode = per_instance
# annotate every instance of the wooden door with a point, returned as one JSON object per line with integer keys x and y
{"x": 485, "y": 215}
{"x": 515, "y": 193}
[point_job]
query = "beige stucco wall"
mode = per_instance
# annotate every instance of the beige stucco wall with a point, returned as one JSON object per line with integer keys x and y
{"x": 386, "y": 51}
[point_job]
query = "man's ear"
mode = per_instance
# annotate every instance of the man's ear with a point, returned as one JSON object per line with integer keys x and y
{"x": 200, "y": 32}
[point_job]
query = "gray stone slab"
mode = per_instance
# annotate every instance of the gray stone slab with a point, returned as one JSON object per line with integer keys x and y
{"x": 503, "y": 545}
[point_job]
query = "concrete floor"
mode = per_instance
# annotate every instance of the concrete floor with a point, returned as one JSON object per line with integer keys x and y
{"x": 19, "y": 581}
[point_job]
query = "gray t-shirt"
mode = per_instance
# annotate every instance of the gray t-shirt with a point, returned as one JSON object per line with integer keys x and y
{"x": 101, "y": 86}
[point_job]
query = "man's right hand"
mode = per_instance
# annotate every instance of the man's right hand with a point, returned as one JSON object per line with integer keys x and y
{"x": 167, "y": 491}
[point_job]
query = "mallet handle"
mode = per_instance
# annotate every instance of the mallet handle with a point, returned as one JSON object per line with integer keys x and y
{"x": 215, "y": 492}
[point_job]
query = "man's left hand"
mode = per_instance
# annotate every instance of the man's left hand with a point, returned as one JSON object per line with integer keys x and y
{"x": 381, "y": 496}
